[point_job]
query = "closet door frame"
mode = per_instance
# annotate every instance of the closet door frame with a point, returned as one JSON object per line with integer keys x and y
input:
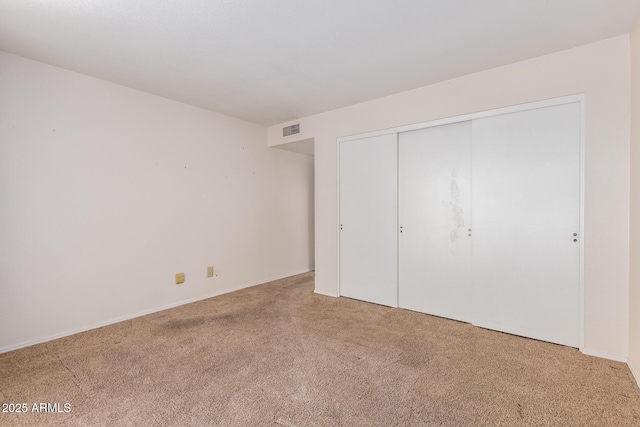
{"x": 579, "y": 98}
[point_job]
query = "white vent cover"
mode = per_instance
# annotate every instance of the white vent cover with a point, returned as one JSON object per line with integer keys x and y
{"x": 291, "y": 130}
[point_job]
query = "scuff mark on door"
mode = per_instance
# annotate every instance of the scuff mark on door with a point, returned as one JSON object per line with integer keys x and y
{"x": 457, "y": 213}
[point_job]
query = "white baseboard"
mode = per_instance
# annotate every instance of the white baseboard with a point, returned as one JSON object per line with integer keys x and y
{"x": 326, "y": 294}
{"x": 95, "y": 326}
{"x": 635, "y": 373}
{"x": 142, "y": 313}
{"x": 602, "y": 355}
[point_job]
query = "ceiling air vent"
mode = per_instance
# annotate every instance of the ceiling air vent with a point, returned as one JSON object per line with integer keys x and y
{"x": 291, "y": 130}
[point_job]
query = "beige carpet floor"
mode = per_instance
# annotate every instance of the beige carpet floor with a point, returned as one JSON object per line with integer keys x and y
{"x": 279, "y": 355}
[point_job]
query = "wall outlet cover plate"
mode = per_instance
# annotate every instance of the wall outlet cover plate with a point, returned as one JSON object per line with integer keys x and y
{"x": 179, "y": 278}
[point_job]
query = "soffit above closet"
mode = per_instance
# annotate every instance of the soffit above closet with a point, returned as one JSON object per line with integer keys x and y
{"x": 273, "y": 61}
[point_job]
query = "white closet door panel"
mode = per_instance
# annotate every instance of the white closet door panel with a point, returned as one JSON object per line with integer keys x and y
{"x": 369, "y": 219}
{"x": 526, "y": 207}
{"x": 435, "y": 215}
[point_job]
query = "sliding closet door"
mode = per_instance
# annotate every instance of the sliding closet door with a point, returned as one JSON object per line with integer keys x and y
{"x": 369, "y": 219}
{"x": 526, "y": 224}
{"x": 435, "y": 216}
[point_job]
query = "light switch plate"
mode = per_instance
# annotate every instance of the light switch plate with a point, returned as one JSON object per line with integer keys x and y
{"x": 179, "y": 278}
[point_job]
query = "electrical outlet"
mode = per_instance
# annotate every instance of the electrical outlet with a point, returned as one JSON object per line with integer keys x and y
{"x": 209, "y": 271}
{"x": 179, "y": 278}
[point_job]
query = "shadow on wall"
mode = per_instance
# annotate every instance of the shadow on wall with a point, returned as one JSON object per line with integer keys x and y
{"x": 312, "y": 222}
{"x": 306, "y": 147}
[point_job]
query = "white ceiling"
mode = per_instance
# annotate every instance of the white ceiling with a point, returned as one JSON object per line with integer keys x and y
{"x": 270, "y": 61}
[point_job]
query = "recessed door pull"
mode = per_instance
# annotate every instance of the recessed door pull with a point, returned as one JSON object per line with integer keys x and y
{"x": 401, "y": 229}
{"x": 469, "y": 232}
{"x": 575, "y": 235}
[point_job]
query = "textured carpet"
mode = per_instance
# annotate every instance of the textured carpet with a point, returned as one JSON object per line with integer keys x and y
{"x": 279, "y": 355}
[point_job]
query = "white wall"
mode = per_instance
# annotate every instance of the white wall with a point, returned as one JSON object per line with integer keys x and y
{"x": 634, "y": 282}
{"x": 601, "y": 72}
{"x": 107, "y": 192}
